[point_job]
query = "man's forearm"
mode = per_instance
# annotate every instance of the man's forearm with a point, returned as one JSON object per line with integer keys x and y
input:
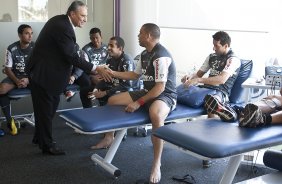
{"x": 130, "y": 75}
{"x": 12, "y": 76}
{"x": 217, "y": 80}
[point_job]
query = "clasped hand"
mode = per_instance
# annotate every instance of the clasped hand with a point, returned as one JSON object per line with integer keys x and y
{"x": 132, "y": 107}
{"x": 105, "y": 72}
{"x": 188, "y": 81}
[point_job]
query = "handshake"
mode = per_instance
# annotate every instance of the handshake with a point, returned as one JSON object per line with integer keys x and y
{"x": 105, "y": 72}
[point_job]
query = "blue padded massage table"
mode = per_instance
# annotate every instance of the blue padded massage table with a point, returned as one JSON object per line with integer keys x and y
{"x": 213, "y": 139}
{"x": 108, "y": 118}
{"x": 114, "y": 118}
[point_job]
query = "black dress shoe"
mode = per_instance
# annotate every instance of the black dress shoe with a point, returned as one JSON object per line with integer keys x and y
{"x": 53, "y": 151}
{"x": 35, "y": 141}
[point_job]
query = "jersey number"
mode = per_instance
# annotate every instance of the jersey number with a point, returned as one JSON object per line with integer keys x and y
{"x": 97, "y": 57}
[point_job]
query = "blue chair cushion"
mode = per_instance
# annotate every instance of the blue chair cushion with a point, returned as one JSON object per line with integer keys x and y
{"x": 236, "y": 95}
{"x": 192, "y": 96}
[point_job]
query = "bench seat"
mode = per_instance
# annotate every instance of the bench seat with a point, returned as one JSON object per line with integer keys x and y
{"x": 212, "y": 139}
{"x": 114, "y": 118}
{"x": 105, "y": 118}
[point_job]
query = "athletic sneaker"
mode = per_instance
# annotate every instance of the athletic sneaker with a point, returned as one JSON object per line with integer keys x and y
{"x": 69, "y": 94}
{"x": 248, "y": 114}
{"x": 12, "y": 126}
{"x": 251, "y": 117}
{"x": 224, "y": 111}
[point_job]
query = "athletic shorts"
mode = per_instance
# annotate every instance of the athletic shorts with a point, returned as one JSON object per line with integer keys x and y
{"x": 166, "y": 98}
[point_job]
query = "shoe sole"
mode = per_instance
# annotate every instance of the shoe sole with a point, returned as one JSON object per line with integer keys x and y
{"x": 68, "y": 99}
{"x": 249, "y": 112}
{"x": 215, "y": 107}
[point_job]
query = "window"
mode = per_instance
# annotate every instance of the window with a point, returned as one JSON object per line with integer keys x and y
{"x": 33, "y": 10}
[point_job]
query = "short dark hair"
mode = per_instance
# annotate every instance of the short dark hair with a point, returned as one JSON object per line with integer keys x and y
{"x": 152, "y": 29}
{"x": 22, "y": 27}
{"x": 119, "y": 40}
{"x": 94, "y": 31}
{"x": 223, "y": 37}
{"x": 74, "y": 6}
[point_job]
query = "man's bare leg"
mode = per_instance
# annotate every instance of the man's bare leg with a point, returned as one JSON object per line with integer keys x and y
{"x": 276, "y": 117}
{"x": 6, "y": 87}
{"x": 119, "y": 99}
{"x": 105, "y": 142}
{"x": 158, "y": 113}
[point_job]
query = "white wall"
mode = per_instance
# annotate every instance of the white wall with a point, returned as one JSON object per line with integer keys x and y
{"x": 134, "y": 13}
{"x": 191, "y": 47}
{"x": 187, "y": 27}
{"x": 217, "y": 14}
{"x": 9, "y": 7}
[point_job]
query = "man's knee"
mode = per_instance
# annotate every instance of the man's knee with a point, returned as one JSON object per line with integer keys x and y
{"x": 157, "y": 117}
{"x": 4, "y": 89}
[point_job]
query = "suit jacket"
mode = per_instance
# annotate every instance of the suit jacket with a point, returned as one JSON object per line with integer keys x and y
{"x": 54, "y": 54}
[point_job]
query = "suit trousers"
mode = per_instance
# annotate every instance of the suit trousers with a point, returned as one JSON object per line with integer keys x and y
{"x": 45, "y": 106}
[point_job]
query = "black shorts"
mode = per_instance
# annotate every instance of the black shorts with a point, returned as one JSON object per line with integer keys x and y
{"x": 166, "y": 98}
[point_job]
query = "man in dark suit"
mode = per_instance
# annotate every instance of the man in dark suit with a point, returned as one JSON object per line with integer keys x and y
{"x": 49, "y": 70}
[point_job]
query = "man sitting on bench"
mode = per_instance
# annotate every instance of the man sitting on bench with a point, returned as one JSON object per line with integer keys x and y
{"x": 261, "y": 113}
{"x": 223, "y": 66}
{"x": 118, "y": 61}
{"x": 159, "y": 94}
{"x": 17, "y": 56}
